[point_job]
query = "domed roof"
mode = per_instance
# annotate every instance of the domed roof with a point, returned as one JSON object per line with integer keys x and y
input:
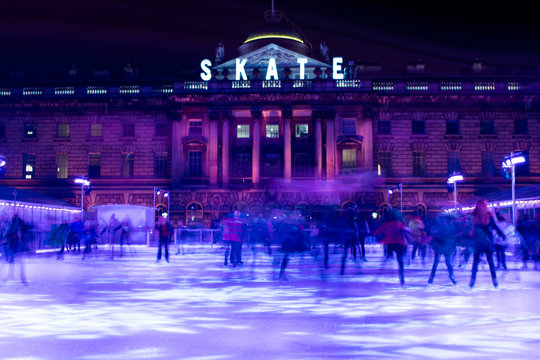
{"x": 278, "y": 30}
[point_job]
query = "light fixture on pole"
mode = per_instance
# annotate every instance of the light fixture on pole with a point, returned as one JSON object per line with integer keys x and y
{"x": 510, "y": 162}
{"x": 83, "y": 181}
{"x": 2, "y": 164}
{"x": 452, "y": 180}
{"x": 397, "y": 188}
{"x": 158, "y": 191}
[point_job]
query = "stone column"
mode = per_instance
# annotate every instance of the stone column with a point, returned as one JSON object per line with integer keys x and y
{"x": 225, "y": 153}
{"x": 318, "y": 147}
{"x": 213, "y": 150}
{"x": 177, "y": 156}
{"x": 330, "y": 148}
{"x": 287, "y": 152}
{"x": 256, "y": 152}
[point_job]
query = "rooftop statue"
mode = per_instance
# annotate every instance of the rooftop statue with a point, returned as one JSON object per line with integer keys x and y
{"x": 220, "y": 53}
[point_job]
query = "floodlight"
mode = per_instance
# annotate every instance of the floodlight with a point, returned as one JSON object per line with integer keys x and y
{"x": 454, "y": 178}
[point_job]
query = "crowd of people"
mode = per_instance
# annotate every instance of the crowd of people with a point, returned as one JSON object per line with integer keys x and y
{"x": 486, "y": 234}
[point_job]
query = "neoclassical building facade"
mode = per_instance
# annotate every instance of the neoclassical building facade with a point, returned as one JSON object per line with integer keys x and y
{"x": 307, "y": 141}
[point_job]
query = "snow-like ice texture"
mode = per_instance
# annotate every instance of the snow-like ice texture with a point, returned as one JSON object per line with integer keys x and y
{"x": 194, "y": 308}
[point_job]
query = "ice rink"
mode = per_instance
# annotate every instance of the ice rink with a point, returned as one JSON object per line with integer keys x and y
{"x": 195, "y": 308}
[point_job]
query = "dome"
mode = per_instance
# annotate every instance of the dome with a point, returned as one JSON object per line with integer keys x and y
{"x": 278, "y": 30}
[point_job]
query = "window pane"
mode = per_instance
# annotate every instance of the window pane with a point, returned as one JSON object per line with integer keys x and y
{"x": 302, "y": 130}
{"x": 302, "y": 164}
{"x": 29, "y": 166}
{"x": 348, "y": 126}
{"x": 419, "y": 164}
{"x": 94, "y": 166}
{"x": 349, "y": 162}
{"x": 452, "y": 127}
{"x": 242, "y": 131}
{"x": 127, "y": 165}
{"x": 195, "y": 163}
{"x": 272, "y": 131}
{"x": 454, "y": 162}
{"x": 162, "y": 129}
{"x": 129, "y": 130}
{"x": 195, "y": 127}
{"x": 385, "y": 163}
{"x": 488, "y": 164}
{"x": 418, "y": 127}
{"x": 95, "y": 130}
{"x": 242, "y": 165}
{"x": 272, "y": 165}
{"x": 486, "y": 127}
{"x": 62, "y": 166}
{"x": 62, "y": 130}
{"x": 383, "y": 127}
{"x": 520, "y": 126}
{"x": 2, "y": 131}
{"x": 161, "y": 165}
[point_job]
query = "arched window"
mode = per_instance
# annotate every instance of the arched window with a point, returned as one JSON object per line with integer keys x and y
{"x": 242, "y": 207}
{"x": 348, "y": 205}
{"x": 194, "y": 214}
{"x": 160, "y": 210}
{"x": 420, "y": 210}
{"x": 383, "y": 209}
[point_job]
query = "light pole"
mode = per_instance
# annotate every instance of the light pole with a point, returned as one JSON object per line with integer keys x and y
{"x": 393, "y": 189}
{"x": 453, "y": 179}
{"x": 157, "y": 191}
{"x": 83, "y": 181}
{"x": 510, "y": 162}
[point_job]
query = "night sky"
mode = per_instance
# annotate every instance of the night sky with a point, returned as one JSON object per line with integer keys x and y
{"x": 168, "y": 38}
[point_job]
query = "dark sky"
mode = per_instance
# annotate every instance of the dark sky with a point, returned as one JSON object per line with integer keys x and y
{"x": 163, "y": 37}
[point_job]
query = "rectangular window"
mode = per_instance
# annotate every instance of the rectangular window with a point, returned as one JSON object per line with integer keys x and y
{"x": 94, "y": 166}
{"x": 129, "y": 130}
{"x": 242, "y": 165}
{"x": 521, "y": 126}
{"x": 383, "y": 127}
{"x": 161, "y": 165}
{"x": 95, "y": 130}
{"x": 2, "y": 131}
{"x": 242, "y": 131}
{"x": 454, "y": 163}
{"x": 302, "y": 165}
{"x": 272, "y": 165}
{"x": 349, "y": 162}
{"x": 488, "y": 164}
{"x": 419, "y": 164}
{"x": 348, "y": 126}
{"x": 29, "y": 166}
{"x": 30, "y": 131}
{"x": 272, "y": 131}
{"x": 128, "y": 161}
{"x": 195, "y": 163}
{"x": 418, "y": 127}
{"x": 162, "y": 129}
{"x": 385, "y": 163}
{"x": 195, "y": 127}
{"x": 452, "y": 127}
{"x": 302, "y": 130}
{"x": 62, "y": 130}
{"x": 487, "y": 127}
{"x": 62, "y": 166}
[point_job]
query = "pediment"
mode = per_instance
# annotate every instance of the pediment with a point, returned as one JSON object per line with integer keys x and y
{"x": 284, "y": 58}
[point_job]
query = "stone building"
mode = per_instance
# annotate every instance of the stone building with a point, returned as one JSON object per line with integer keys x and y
{"x": 280, "y": 133}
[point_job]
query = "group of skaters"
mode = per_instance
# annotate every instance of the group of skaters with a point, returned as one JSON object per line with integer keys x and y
{"x": 485, "y": 234}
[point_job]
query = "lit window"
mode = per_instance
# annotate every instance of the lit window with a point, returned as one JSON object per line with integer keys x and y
{"x": 242, "y": 131}
{"x": 62, "y": 130}
{"x": 349, "y": 161}
{"x": 272, "y": 131}
{"x": 30, "y": 131}
{"x": 384, "y": 166}
{"x": 95, "y": 130}
{"x": 29, "y": 166}
{"x": 62, "y": 166}
{"x": 302, "y": 130}
{"x": 348, "y": 126}
{"x": 195, "y": 127}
